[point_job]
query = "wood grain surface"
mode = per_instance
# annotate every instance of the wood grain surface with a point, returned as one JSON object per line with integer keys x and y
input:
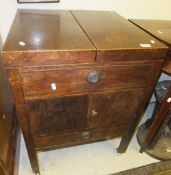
{"x": 74, "y": 80}
{"x": 114, "y": 36}
{"x": 41, "y": 37}
{"x": 161, "y": 30}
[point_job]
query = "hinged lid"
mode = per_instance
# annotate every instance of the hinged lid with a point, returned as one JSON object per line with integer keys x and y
{"x": 46, "y": 37}
{"x": 116, "y": 38}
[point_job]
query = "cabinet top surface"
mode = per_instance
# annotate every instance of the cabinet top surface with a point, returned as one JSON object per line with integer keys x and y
{"x": 160, "y": 29}
{"x": 74, "y": 30}
{"x": 109, "y": 31}
{"x": 46, "y": 30}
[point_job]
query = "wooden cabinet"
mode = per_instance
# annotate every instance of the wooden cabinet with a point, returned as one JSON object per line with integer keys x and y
{"x": 74, "y": 82}
{"x": 9, "y": 129}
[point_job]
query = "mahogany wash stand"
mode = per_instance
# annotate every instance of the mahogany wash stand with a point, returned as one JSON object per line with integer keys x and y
{"x": 79, "y": 77}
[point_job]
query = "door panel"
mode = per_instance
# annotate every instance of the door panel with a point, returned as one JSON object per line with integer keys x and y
{"x": 58, "y": 115}
{"x": 113, "y": 108}
{"x": 70, "y": 114}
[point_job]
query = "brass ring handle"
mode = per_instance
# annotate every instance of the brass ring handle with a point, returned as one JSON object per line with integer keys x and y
{"x": 93, "y": 77}
{"x": 85, "y": 135}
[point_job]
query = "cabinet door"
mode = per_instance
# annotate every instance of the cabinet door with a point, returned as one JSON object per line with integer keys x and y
{"x": 58, "y": 115}
{"x": 113, "y": 108}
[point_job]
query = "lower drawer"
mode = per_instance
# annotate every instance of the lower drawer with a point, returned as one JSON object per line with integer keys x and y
{"x": 43, "y": 143}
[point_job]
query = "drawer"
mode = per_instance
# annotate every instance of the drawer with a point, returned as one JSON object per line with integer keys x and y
{"x": 81, "y": 137}
{"x": 85, "y": 79}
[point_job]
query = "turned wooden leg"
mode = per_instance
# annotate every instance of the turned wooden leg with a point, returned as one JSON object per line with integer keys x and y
{"x": 157, "y": 122}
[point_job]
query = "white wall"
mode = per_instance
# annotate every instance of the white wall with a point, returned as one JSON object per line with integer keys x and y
{"x": 150, "y": 9}
{"x": 160, "y": 9}
{"x": 7, "y": 13}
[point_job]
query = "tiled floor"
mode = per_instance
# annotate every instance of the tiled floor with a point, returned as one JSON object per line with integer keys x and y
{"x": 91, "y": 159}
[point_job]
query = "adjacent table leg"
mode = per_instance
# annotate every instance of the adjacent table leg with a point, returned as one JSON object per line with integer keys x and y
{"x": 158, "y": 119}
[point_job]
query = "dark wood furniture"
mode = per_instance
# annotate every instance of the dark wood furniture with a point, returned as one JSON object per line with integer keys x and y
{"x": 161, "y": 30}
{"x": 9, "y": 129}
{"x": 79, "y": 77}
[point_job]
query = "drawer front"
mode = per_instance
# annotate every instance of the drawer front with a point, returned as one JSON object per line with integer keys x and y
{"x": 76, "y": 80}
{"x": 81, "y": 137}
